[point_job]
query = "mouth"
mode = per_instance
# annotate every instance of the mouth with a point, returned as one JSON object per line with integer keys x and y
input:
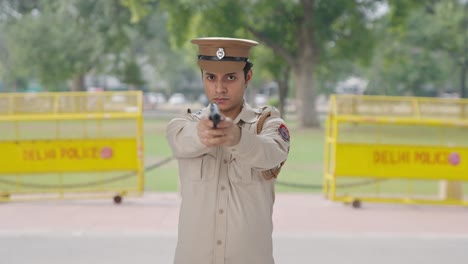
{"x": 220, "y": 100}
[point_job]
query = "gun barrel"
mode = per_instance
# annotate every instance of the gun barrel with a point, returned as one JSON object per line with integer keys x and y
{"x": 215, "y": 115}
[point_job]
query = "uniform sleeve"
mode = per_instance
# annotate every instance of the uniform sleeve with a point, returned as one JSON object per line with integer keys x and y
{"x": 266, "y": 150}
{"x": 183, "y": 138}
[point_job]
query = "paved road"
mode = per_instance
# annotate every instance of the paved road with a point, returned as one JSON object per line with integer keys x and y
{"x": 308, "y": 229}
{"x": 151, "y": 247}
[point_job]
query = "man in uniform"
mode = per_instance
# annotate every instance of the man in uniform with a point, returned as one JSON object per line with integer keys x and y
{"x": 227, "y": 174}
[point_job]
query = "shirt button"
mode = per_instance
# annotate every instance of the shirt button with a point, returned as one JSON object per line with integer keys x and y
{"x": 219, "y": 242}
{"x": 225, "y": 161}
{"x": 221, "y": 211}
{"x": 223, "y": 188}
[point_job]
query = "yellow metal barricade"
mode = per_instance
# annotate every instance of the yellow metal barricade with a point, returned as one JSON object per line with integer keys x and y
{"x": 71, "y": 145}
{"x": 396, "y": 149}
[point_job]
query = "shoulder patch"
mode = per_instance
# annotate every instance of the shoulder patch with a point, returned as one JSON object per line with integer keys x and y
{"x": 284, "y": 132}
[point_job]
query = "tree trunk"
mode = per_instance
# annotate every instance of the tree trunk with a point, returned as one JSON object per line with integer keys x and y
{"x": 78, "y": 83}
{"x": 304, "y": 69}
{"x": 464, "y": 70}
{"x": 283, "y": 87}
{"x": 305, "y": 97}
{"x": 15, "y": 85}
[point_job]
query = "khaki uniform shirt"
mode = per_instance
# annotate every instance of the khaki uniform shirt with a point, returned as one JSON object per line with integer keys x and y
{"x": 226, "y": 209}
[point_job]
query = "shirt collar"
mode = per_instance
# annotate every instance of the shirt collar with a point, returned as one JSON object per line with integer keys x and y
{"x": 247, "y": 114}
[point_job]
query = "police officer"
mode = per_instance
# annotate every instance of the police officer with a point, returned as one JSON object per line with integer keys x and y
{"x": 227, "y": 174}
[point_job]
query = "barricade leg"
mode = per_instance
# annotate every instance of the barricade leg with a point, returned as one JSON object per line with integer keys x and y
{"x": 451, "y": 190}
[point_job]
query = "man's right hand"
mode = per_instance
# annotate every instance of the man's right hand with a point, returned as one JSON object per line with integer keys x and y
{"x": 226, "y": 134}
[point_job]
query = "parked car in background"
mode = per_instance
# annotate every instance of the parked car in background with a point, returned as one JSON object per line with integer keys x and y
{"x": 156, "y": 98}
{"x": 177, "y": 99}
{"x": 260, "y": 100}
{"x": 153, "y": 100}
{"x": 202, "y": 99}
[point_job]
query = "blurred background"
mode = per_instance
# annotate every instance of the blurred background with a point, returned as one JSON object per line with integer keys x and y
{"x": 309, "y": 50}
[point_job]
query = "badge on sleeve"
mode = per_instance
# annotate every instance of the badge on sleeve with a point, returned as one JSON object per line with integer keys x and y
{"x": 284, "y": 132}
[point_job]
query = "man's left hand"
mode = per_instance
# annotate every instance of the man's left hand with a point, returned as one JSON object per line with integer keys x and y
{"x": 226, "y": 134}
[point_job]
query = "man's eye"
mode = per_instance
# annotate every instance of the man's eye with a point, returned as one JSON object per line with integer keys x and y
{"x": 231, "y": 77}
{"x": 210, "y": 77}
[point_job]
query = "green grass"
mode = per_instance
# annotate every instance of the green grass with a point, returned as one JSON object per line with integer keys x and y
{"x": 165, "y": 177}
{"x": 305, "y": 161}
{"x": 70, "y": 182}
{"x": 304, "y": 167}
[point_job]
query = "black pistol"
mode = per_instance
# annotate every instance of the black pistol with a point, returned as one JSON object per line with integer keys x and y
{"x": 215, "y": 115}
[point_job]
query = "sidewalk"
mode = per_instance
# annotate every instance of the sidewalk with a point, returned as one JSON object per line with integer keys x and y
{"x": 293, "y": 214}
{"x": 307, "y": 229}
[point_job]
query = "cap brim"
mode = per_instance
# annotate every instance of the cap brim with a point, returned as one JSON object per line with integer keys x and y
{"x": 221, "y": 66}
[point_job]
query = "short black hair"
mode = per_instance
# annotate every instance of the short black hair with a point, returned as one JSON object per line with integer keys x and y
{"x": 247, "y": 68}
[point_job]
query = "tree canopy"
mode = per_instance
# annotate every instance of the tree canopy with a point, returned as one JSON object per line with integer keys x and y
{"x": 401, "y": 47}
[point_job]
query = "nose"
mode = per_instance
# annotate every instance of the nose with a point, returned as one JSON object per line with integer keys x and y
{"x": 220, "y": 87}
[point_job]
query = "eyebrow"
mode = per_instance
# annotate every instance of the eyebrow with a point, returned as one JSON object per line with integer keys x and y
{"x": 226, "y": 74}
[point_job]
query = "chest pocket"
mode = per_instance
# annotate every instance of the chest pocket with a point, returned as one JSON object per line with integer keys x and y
{"x": 239, "y": 173}
{"x": 202, "y": 168}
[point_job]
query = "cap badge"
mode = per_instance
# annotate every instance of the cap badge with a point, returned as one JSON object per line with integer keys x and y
{"x": 220, "y": 53}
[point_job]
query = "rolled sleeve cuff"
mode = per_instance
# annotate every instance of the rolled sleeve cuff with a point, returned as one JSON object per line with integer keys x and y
{"x": 191, "y": 138}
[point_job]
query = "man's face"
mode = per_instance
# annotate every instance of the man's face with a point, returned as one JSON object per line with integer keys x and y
{"x": 226, "y": 89}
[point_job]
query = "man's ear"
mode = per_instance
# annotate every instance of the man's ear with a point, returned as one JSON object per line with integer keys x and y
{"x": 248, "y": 77}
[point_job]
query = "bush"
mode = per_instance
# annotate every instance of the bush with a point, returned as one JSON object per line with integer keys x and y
{"x": 274, "y": 102}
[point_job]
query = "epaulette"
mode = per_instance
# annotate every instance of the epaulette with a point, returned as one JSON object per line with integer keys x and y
{"x": 194, "y": 115}
{"x": 198, "y": 113}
